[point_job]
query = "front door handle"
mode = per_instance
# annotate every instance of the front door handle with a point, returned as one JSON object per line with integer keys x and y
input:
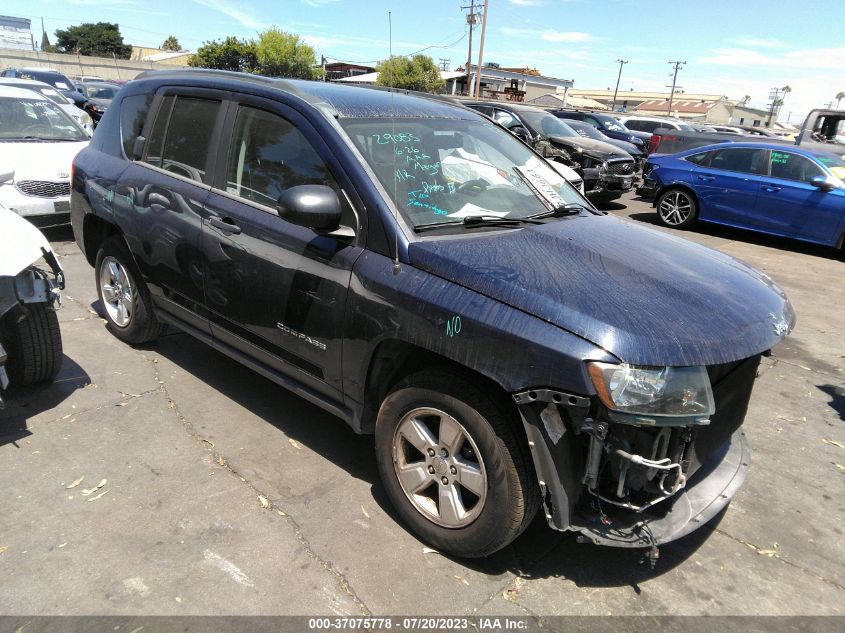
{"x": 707, "y": 178}
{"x": 770, "y": 188}
{"x": 225, "y": 224}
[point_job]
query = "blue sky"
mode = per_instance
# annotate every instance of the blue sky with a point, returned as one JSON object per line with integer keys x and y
{"x": 732, "y": 47}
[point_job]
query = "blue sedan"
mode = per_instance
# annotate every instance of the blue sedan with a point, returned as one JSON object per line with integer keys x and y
{"x": 772, "y": 188}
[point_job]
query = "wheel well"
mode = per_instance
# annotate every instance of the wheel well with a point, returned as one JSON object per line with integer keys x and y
{"x": 675, "y": 185}
{"x": 393, "y": 360}
{"x": 95, "y": 231}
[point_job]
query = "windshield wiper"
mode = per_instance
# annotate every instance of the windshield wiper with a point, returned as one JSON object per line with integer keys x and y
{"x": 476, "y": 220}
{"x": 570, "y": 208}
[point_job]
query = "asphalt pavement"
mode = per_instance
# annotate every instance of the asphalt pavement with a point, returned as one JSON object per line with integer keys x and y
{"x": 223, "y": 494}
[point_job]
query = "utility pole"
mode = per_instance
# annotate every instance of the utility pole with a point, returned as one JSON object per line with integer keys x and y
{"x": 323, "y": 64}
{"x": 444, "y": 64}
{"x": 677, "y": 66}
{"x": 472, "y": 19}
{"x": 622, "y": 62}
{"x": 481, "y": 51}
{"x": 776, "y": 95}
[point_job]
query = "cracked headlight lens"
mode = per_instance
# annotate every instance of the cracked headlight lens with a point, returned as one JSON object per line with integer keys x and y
{"x": 671, "y": 391}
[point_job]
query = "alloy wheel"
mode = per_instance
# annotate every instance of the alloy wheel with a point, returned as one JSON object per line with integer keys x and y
{"x": 439, "y": 467}
{"x": 116, "y": 287}
{"x": 675, "y": 208}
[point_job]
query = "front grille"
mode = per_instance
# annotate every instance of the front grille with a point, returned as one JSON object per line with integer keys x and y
{"x": 621, "y": 168}
{"x": 43, "y": 188}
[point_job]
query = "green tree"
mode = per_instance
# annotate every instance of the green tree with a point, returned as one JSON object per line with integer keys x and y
{"x": 417, "y": 73}
{"x": 229, "y": 54}
{"x": 171, "y": 44}
{"x": 102, "y": 39}
{"x": 282, "y": 54}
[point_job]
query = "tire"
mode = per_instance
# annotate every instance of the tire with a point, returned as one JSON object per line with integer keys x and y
{"x": 126, "y": 301}
{"x": 34, "y": 344}
{"x": 492, "y": 494}
{"x": 677, "y": 208}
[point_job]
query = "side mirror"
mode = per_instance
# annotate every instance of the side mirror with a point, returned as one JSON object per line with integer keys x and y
{"x": 7, "y": 174}
{"x": 314, "y": 206}
{"x": 521, "y": 133}
{"x": 823, "y": 183}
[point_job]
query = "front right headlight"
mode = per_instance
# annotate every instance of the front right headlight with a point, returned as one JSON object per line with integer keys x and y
{"x": 658, "y": 391}
{"x": 85, "y": 119}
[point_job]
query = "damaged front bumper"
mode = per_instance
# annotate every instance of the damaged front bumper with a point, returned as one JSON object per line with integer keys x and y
{"x": 706, "y": 494}
{"x": 628, "y": 482}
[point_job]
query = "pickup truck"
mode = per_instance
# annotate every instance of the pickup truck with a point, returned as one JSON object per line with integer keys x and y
{"x": 821, "y": 129}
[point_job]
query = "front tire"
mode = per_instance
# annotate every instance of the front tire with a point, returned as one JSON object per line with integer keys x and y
{"x": 677, "y": 209}
{"x": 126, "y": 301}
{"x": 453, "y": 465}
{"x": 34, "y": 344}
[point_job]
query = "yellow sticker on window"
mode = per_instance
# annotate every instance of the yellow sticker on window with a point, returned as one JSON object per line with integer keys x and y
{"x": 839, "y": 172}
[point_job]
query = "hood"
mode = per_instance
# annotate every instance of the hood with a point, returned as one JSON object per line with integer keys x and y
{"x": 647, "y": 297}
{"x": 20, "y": 243}
{"x": 625, "y": 146}
{"x": 645, "y": 136}
{"x": 590, "y": 146}
{"x": 43, "y": 160}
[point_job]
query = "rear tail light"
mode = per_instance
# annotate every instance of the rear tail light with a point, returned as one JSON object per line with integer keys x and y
{"x": 653, "y": 143}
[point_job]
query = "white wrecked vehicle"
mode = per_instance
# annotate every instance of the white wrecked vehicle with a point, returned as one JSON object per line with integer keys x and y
{"x": 30, "y": 341}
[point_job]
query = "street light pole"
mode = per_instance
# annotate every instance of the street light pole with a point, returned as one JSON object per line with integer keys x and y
{"x": 677, "y": 66}
{"x": 622, "y": 62}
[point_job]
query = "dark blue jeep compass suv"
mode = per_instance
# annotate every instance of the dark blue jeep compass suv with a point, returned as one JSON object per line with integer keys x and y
{"x": 411, "y": 267}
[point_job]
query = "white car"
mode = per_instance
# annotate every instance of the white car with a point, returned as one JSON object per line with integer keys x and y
{"x": 46, "y": 90}
{"x": 39, "y": 141}
{"x": 30, "y": 340}
{"x": 651, "y": 123}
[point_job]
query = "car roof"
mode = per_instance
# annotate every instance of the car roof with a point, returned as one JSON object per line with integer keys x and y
{"x": 340, "y": 100}
{"x": 508, "y": 106}
{"x": 29, "y": 84}
{"x": 783, "y": 147}
{"x": 10, "y": 92}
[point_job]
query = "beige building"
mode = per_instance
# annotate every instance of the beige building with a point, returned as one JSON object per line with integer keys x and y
{"x": 159, "y": 56}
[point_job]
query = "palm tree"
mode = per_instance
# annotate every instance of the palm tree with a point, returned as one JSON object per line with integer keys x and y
{"x": 745, "y": 100}
{"x": 839, "y": 97}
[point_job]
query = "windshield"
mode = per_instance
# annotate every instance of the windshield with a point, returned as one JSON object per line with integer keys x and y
{"x": 25, "y": 119}
{"x": 54, "y": 96}
{"x": 612, "y": 124}
{"x": 685, "y": 127}
{"x": 57, "y": 80}
{"x": 547, "y": 124}
{"x": 587, "y": 131}
{"x": 106, "y": 93}
{"x": 834, "y": 163}
{"x": 442, "y": 170}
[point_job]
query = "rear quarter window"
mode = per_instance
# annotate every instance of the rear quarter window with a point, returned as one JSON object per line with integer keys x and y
{"x": 133, "y": 115}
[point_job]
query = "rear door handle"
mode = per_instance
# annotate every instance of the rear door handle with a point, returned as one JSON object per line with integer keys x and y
{"x": 225, "y": 224}
{"x": 771, "y": 188}
{"x": 707, "y": 178}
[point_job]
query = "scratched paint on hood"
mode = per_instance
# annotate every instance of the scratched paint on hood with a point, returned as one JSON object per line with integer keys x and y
{"x": 647, "y": 297}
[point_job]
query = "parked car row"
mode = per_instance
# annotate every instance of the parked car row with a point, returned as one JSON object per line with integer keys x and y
{"x": 89, "y": 94}
{"x": 606, "y": 170}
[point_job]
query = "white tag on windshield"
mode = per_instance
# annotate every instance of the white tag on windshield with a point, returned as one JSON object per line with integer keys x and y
{"x": 542, "y": 186}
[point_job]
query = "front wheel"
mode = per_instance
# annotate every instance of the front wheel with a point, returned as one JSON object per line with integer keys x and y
{"x": 677, "y": 209}
{"x": 34, "y": 344}
{"x": 453, "y": 465}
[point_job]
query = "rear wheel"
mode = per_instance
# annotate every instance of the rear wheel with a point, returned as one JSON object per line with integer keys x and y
{"x": 676, "y": 208}
{"x": 453, "y": 465}
{"x": 34, "y": 344}
{"x": 125, "y": 298}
